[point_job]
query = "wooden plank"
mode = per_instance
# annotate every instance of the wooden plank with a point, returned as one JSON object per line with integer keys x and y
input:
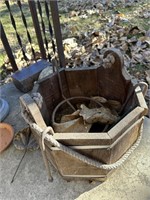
{"x": 50, "y": 90}
{"x": 100, "y": 178}
{"x": 141, "y": 99}
{"x": 78, "y": 139}
{"x": 102, "y": 155}
{"x": 82, "y": 82}
{"x": 90, "y": 147}
{"x": 99, "y": 152}
{"x": 28, "y": 103}
{"x": 113, "y": 81}
{"x": 125, "y": 141}
{"x": 51, "y": 156}
{"x": 125, "y": 123}
{"x": 130, "y": 101}
{"x": 69, "y": 165}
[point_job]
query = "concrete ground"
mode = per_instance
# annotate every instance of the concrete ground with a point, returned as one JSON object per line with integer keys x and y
{"x": 129, "y": 182}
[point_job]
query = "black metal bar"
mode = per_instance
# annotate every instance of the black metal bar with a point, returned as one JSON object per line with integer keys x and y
{"x": 26, "y": 27}
{"x": 57, "y": 30}
{"x": 43, "y": 28}
{"x": 32, "y": 7}
{"x": 7, "y": 48}
{"x": 15, "y": 28}
{"x": 50, "y": 26}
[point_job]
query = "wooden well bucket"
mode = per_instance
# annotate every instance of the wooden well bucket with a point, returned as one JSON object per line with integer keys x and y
{"x": 95, "y": 155}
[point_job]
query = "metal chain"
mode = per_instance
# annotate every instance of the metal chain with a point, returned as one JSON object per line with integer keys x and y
{"x": 43, "y": 28}
{"x": 26, "y": 26}
{"x": 14, "y": 26}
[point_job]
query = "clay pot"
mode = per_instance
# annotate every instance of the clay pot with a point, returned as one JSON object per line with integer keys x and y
{"x": 6, "y": 136}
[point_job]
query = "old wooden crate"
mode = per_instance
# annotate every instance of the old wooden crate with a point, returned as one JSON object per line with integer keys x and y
{"x": 92, "y": 155}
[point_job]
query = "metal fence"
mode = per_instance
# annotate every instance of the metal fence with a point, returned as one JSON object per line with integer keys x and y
{"x": 42, "y": 13}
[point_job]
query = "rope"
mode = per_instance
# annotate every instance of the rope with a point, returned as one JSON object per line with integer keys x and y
{"x": 81, "y": 157}
{"x": 49, "y": 137}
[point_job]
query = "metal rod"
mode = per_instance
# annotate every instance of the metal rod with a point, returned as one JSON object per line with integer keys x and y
{"x": 27, "y": 142}
{"x": 7, "y": 48}
{"x": 16, "y": 31}
{"x": 33, "y": 11}
{"x": 54, "y": 61}
{"x": 43, "y": 29}
{"x": 18, "y": 166}
{"x": 57, "y": 30}
{"x": 26, "y": 27}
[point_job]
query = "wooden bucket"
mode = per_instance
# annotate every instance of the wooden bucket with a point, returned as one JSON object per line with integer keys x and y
{"x": 108, "y": 148}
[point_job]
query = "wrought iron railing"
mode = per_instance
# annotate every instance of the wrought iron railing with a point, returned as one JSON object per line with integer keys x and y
{"x": 42, "y": 12}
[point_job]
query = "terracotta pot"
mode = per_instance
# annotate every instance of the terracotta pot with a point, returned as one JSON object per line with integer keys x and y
{"x": 6, "y": 136}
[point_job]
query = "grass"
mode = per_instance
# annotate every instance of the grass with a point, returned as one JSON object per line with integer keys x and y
{"x": 76, "y": 25}
{"x": 134, "y": 14}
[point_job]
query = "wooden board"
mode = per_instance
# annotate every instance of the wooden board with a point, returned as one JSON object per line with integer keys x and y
{"x": 78, "y": 139}
{"x": 113, "y": 82}
{"x": 125, "y": 123}
{"x": 95, "y": 152}
{"x": 68, "y": 165}
{"x": 33, "y": 110}
{"x": 141, "y": 100}
{"x": 50, "y": 90}
{"x": 82, "y": 81}
{"x": 126, "y": 140}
